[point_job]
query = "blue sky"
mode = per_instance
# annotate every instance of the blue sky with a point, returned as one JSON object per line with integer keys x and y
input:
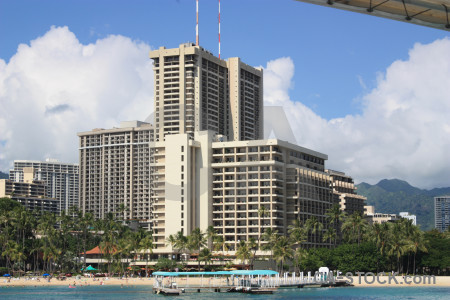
{"x": 372, "y": 93}
{"x": 331, "y": 49}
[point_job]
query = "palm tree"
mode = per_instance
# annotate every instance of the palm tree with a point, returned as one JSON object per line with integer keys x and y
{"x": 181, "y": 242}
{"x": 398, "y": 243}
{"x": 85, "y": 222}
{"x": 196, "y": 241}
{"x": 205, "y": 255}
{"x": 211, "y": 234}
{"x": 146, "y": 244}
{"x": 313, "y": 225}
{"x": 219, "y": 244}
{"x": 270, "y": 236}
{"x": 171, "y": 240}
{"x": 354, "y": 227}
{"x": 243, "y": 252}
{"x": 283, "y": 251}
{"x": 297, "y": 232}
{"x": 299, "y": 255}
{"x": 262, "y": 213}
{"x": 335, "y": 216}
{"x": 417, "y": 243}
{"x": 330, "y": 235}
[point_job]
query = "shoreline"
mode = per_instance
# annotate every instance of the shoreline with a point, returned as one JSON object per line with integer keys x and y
{"x": 400, "y": 281}
{"x": 369, "y": 281}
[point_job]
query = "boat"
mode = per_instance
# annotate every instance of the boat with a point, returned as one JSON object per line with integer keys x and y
{"x": 169, "y": 292}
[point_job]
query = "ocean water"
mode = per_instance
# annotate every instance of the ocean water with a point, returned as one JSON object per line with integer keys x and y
{"x": 145, "y": 292}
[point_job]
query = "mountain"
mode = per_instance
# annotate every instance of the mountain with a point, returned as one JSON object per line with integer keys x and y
{"x": 394, "y": 196}
{"x": 3, "y": 175}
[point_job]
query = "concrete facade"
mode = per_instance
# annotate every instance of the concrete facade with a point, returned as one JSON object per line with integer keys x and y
{"x": 196, "y": 91}
{"x": 115, "y": 171}
{"x": 442, "y": 213}
{"x": 32, "y": 195}
{"x": 407, "y": 215}
{"x": 344, "y": 190}
{"x": 204, "y": 163}
{"x": 61, "y": 179}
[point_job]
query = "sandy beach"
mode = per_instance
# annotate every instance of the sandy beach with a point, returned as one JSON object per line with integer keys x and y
{"x": 369, "y": 281}
{"x": 400, "y": 281}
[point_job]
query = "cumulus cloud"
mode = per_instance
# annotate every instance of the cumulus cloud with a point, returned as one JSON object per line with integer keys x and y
{"x": 56, "y": 87}
{"x": 404, "y": 128}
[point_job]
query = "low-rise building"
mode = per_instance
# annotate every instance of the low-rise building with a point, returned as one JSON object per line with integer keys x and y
{"x": 407, "y": 215}
{"x": 379, "y": 218}
{"x": 30, "y": 194}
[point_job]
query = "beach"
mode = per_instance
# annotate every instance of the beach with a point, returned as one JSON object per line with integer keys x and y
{"x": 360, "y": 281}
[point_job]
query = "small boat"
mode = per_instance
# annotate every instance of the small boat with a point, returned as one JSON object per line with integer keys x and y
{"x": 169, "y": 292}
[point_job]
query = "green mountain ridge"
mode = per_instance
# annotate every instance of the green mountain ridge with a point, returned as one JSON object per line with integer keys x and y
{"x": 3, "y": 175}
{"x": 393, "y": 196}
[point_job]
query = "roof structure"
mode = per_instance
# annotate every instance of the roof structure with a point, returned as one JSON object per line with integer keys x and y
{"x": 237, "y": 272}
{"x": 96, "y": 250}
{"x": 431, "y": 13}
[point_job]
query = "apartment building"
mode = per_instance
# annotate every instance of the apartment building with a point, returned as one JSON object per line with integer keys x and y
{"x": 204, "y": 162}
{"x": 408, "y": 216}
{"x": 196, "y": 91}
{"x": 204, "y": 180}
{"x": 115, "y": 171}
{"x": 442, "y": 213}
{"x": 373, "y": 217}
{"x": 61, "y": 179}
{"x": 31, "y": 194}
{"x": 344, "y": 190}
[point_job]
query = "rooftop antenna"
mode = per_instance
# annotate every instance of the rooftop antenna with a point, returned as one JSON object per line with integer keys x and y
{"x": 219, "y": 29}
{"x": 196, "y": 27}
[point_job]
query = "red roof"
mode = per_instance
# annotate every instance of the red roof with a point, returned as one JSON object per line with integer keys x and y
{"x": 96, "y": 250}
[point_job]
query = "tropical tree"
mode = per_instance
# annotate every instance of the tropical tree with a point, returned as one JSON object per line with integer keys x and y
{"x": 417, "y": 243}
{"x": 211, "y": 234}
{"x": 354, "y": 227}
{"x": 146, "y": 244}
{"x": 205, "y": 255}
{"x": 335, "y": 217}
{"x": 196, "y": 240}
{"x": 297, "y": 233}
{"x": 330, "y": 235}
{"x": 313, "y": 226}
{"x": 299, "y": 255}
{"x": 283, "y": 251}
{"x": 243, "y": 252}
{"x": 270, "y": 236}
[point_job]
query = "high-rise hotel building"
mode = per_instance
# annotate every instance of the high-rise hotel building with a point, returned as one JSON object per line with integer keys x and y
{"x": 196, "y": 91}
{"x": 115, "y": 171}
{"x": 442, "y": 212}
{"x": 203, "y": 162}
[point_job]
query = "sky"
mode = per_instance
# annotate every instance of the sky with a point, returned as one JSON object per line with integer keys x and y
{"x": 371, "y": 93}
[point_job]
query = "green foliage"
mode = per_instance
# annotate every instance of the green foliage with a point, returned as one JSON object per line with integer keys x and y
{"x": 7, "y": 204}
{"x": 165, "y": 264}
{"x": 393, "y": 196}
{"x": 438, "y": 256}
{"x": 4, "y": 175}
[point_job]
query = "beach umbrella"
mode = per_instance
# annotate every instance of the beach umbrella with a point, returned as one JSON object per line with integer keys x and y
{"x": 6, "y": 275}
{"x": 91, "y": 268}
{"x": 46, "y": 274}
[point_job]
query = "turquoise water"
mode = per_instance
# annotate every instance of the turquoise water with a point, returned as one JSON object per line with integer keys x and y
{"x": 144, "y": 292}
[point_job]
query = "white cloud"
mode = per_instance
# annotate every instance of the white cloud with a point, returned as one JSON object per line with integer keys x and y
{"x": 403, "y": 131}
{"x": 56, "y": 87}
